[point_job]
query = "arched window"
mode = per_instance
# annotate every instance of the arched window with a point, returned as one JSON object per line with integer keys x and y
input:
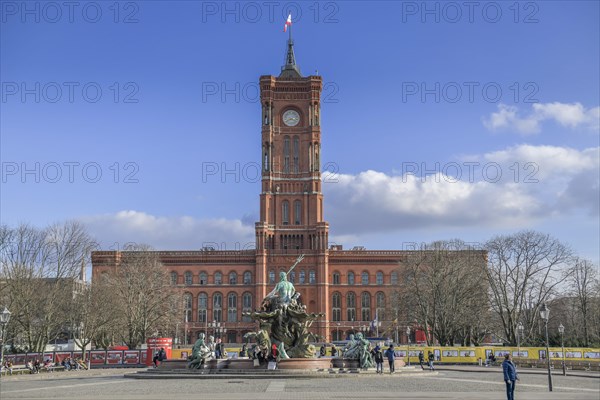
{"x": 218, "y": 278}
{"x": 302, "y": 277}
{"x": 247, "y": 278}
{"x": 292, "y": 277}
{"x": 336, "y": 278}
{"x": 312, "y": 277}
{"x": 296, "y": 152}
{"x": 173, "y": 278}
{"x": 232, "y": 278}
{"x": 203, "y": 277}
{"x": 187, "y": 307}
{"x": 379, "y": 278}
{"x": 350, "y": 278}
{"x": 336, "y": 307}
{"x": 380, "y": 304}
{"x": 351, "y": 306}
{"x": 286, "y": 155}
{"x": 297, "y": 212}
{"x": 365, "y": 303}
{"x": 364, "y": 277}
{"x": 188, "y": 278}
{"x": 217, "y": 307}
{"x": 202, "y": 307}
{"x": 285, "y": 212}
{"x": 232, "y": 307}
{"x": 246, "y": 306}
{"x": 271, "y": 276}
{"x": 394, "y": 278}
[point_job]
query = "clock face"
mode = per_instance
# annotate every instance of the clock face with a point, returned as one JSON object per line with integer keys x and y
{"x": 291, "y": 118}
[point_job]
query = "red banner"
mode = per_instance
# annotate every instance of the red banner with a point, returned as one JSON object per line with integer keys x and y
{"x": 114, "y": 357}
{"x": 132, "y": 357}
{"x": 98, "y": 357}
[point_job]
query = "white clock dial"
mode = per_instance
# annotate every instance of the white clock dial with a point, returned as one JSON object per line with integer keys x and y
{"x": 291, "y": 118}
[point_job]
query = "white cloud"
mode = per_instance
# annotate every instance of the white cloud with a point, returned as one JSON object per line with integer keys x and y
{"x": 182, "y": 233}
{"x": 546, "y": 181}
{"x": 568, "y": 115}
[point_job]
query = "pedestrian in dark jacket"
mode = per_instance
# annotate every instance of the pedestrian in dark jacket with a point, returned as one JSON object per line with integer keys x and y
{"x": 421, "y": 359}
{"x": 322, "y": 351}
{"x": 389, "y": 353}
{"x": 334, "y": 351}
{"x": 430, "y": 359}
{"x": 510, "y": 376}
{"x": 378, "y": 357}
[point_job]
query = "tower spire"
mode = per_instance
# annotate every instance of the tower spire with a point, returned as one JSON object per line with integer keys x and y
{"x": 290, "y": 69}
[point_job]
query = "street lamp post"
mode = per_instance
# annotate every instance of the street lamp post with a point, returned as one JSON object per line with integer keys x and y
{"x": 520, "y": 329}
{"x": 545, "y": 314}
{"x": 408, "y": 344}
{"x": 4, "y": 318}
{"x": 561, "y": 330}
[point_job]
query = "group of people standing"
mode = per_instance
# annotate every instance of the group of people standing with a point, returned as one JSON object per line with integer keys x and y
{"x": 378, "y": 356}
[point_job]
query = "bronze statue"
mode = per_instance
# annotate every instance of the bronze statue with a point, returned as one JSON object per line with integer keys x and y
{"x": 200, "y": 352}
{"x": 284, "y": 320}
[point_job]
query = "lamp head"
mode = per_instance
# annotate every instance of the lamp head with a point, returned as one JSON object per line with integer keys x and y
{"x": 545, "y": 312}
{"x": 4, "y": 316}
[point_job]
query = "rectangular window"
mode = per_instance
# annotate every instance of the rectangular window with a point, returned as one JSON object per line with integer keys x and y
{"x": 312, "y": 277}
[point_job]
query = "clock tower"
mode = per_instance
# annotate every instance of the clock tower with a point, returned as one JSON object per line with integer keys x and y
{"x": 291, "y": 201}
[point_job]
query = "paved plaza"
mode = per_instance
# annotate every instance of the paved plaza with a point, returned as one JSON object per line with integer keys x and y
{"x": 446, "y": 384}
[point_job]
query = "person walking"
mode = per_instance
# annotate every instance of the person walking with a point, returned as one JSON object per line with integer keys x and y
{"x": 421, "y": 359}
{"x": 510, "y": 376}
{"x": 430, "y": 359}
{"x": 322, "y": 351}
{"x": 334, "y": 351}
{"x": 389, "y": 353}
{"x": 378, "y": 357}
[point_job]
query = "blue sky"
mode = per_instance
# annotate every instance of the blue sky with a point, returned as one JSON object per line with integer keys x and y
{"x": 155, "y": 95}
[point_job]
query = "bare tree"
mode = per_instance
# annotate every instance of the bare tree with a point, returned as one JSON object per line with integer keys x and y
{"x": 144, "y": 295}
{"x": 39, "y": 277}
{"x": 93, "y": 313}
{"x": 583, "y": 286}
{"x": 524, "y": 270}
{"x": 442, "y": 288}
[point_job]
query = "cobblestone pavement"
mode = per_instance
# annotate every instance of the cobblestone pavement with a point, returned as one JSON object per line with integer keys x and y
{"x": 111, "y": 385}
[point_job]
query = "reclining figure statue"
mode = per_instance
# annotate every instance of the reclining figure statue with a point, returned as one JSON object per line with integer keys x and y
{"x": 200, "y": 353}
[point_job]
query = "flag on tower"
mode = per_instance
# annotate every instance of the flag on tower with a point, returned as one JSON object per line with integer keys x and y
{"x": 287, "y": 23}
